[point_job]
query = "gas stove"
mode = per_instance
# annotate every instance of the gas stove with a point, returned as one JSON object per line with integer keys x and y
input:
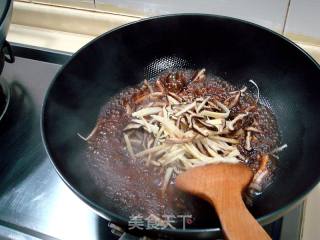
{"x": 34, "y": 202}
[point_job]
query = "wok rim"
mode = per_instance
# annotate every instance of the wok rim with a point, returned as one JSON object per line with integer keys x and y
{"x": 122, "y": 221}
{"x": 7, "y": 94}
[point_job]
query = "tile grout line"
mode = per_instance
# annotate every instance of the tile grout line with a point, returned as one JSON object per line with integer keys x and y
{"x": 93, "y": 10}
{"x": 286, "y": 17}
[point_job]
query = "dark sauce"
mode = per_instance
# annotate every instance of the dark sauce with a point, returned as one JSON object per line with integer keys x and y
{"x": 135, "y": 188}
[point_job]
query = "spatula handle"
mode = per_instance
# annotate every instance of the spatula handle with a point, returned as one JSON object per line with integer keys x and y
{"x": 237, "y": 222}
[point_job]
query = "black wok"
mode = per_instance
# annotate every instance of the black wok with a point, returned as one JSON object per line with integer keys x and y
{"x": 233, "y": 49}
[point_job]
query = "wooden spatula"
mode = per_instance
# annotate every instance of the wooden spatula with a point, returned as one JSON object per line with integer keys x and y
{"x": 222, "y": 186}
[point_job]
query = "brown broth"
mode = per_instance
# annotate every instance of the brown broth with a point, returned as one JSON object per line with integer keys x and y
{"x": 134, "y": 187}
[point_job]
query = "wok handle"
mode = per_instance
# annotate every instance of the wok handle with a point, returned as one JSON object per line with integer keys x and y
{"x": 237, "y": 222}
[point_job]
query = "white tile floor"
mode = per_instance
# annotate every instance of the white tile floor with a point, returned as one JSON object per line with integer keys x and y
{"x": 311, "y": 228}
{"x": 269, "y": 13}
{"x": 303, "y": 21}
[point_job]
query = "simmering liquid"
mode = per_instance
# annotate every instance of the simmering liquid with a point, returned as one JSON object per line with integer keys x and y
{"x": 136, "y": 188}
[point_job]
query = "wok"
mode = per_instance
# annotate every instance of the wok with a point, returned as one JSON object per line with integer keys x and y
{"x": 233, "y": 49}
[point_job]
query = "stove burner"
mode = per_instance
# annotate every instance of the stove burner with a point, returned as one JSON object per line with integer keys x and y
{"x": 6, "y": 55}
